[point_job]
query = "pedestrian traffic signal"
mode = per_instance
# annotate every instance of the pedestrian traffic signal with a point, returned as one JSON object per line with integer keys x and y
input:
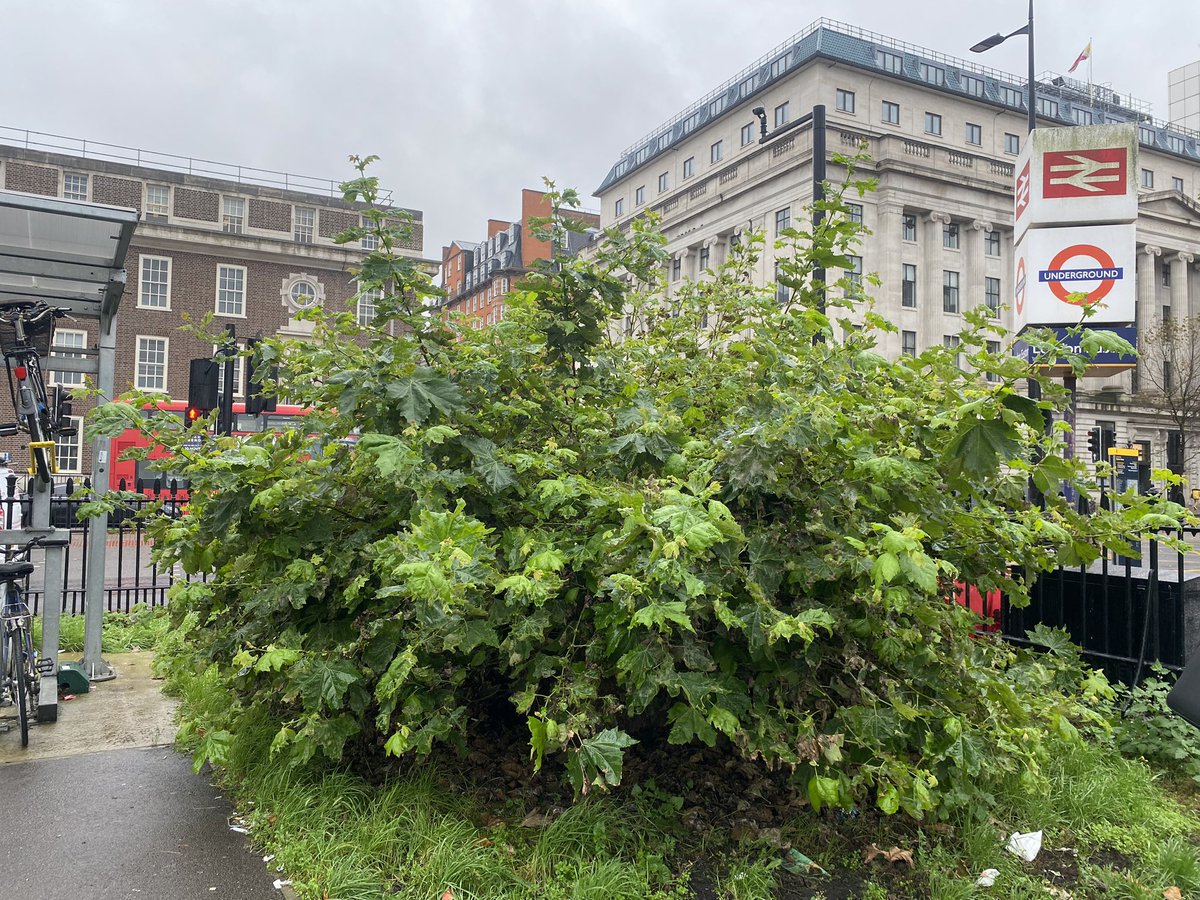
{"x": 202, "y": 390}
{"x": 256, "y": 400}
{"x": 1093, "y": 436}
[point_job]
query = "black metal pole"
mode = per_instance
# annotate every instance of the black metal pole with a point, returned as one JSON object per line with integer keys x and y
{"x": 1032, "y": 93}
{"x": 229, "y": 351}
{"x": 818, "y": 192}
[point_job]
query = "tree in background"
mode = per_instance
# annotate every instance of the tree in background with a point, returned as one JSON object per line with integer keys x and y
{"x": 1168, "y": 379}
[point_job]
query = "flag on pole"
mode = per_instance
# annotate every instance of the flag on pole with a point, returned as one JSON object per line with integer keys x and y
{"x": 1086, "y": 54}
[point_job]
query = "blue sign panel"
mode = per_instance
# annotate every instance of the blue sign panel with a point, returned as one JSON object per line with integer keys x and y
{"x": 1103, "y": 358}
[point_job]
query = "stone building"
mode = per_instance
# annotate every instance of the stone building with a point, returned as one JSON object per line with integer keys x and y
{"x": 250, "y": 246}
{"x": 942, "y": 135}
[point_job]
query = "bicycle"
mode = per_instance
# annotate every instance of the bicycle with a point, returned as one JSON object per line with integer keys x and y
{"x": 26, "y": 333}
{"x": 20, "y": 668}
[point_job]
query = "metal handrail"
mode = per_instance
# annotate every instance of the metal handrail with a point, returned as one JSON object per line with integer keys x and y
{"x": 171, "y": 162}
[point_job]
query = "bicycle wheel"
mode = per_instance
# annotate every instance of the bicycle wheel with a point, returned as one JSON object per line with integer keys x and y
{"x": 21, "y": 684}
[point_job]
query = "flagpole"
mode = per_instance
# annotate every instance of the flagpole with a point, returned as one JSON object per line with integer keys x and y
{"x": 1091, "y": 53}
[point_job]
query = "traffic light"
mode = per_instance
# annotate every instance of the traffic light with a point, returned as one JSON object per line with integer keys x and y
{"x": 1094, "y": 443}
{"x": 256, "y": 401}
{"x": 202, "y": 390}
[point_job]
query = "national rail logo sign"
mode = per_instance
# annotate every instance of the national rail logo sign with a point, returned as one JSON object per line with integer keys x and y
{"x": 1076, "y": 176}
{"x": 1085, "y": 173}
{"x": 1059, "y": 271}
{"x": 1022, "y": 191}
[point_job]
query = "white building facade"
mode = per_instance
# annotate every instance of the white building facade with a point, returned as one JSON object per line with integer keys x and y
{"x": 942, "y": 136}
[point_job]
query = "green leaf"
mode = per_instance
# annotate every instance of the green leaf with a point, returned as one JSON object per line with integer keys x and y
{"x": 823, "y": 792}
{"x": 423, "y": 391}
{"x": 498, "y": 475}
{"x": 980, "y": 445}
{"x": 657, "y": 615}
{"x": 323, "y": 682}
{"x": 601, "y": 757}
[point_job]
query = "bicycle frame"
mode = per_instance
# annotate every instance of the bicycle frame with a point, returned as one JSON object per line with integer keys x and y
{"x": 26, "y": 333}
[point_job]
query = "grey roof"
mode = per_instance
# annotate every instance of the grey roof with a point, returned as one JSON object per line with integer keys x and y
{"x": 854, "y": 46}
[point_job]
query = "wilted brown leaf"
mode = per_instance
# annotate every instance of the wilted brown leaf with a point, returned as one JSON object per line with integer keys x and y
{"x": 447, "y": 894}
{"x": 1172, "y": 893}
{"x": 536, "y": 820}
{"x": 893, "y": 855}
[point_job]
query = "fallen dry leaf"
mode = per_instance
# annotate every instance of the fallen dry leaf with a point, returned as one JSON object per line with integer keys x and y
{"x": 892, "y": 856}
{"x": 1172, "y": 893}
{"x": 448, "y": 894}
{"x": 535, "y": 820}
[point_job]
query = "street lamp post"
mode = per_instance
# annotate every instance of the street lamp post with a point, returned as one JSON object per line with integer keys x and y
{"x": 997, "y": 39}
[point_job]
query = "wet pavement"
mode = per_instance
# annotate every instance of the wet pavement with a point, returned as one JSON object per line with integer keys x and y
{"x": 100, "y": 807}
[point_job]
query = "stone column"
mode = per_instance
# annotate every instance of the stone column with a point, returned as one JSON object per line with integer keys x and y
{"x": 929, "y": 300}
{"x": 1146, "y": 314}
{"x": 887, "y": 231}
{"x": 973, "y": 294}
{"x": 1180, "y": 264}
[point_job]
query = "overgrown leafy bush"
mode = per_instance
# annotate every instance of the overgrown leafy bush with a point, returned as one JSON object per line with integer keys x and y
{"x": 629, "y": 510}
{"x": 1145, "y": 726}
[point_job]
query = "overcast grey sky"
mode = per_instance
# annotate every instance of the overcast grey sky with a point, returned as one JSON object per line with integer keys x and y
{"x": 468, "y": 101}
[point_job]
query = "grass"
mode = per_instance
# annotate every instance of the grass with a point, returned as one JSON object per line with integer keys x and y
{"x": 139, "y": 629}
{"x": 419, "y": 834}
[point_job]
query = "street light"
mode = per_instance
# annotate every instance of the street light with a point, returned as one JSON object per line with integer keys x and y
{"x": 997, "y": 39}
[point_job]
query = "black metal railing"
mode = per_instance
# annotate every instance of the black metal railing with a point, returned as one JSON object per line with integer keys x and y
{"x": 131, "y": 576}
{"x": 1124, "y": 612}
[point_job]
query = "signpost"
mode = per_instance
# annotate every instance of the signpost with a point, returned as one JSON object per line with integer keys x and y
{"x": 1075, "y": 202}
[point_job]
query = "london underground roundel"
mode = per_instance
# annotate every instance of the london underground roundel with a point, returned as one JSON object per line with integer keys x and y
{"x": 1093, "y": 280}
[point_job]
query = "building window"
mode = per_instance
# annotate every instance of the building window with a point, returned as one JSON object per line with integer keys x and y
{"x": 158, "y": 200}
{"x": 949, "y": 292}
{"x": 1175, "y": 144}
{"x": 1167, "y": 375}
{"x": 856, "y": 212}
{"x": 1012, "y": 144}
{"x": 703, "y": 259}
{"x": 676, "y": 268}
{"x": 973, "y": 85}
{"x": 75, "y": 186}
{"x": 845, "y": 100}
{"x": 931, "y": 74}
{"x": 1166, "y": 275}
{"x": 65, "y": 338}
{"x": 154, "y": 282}
{"x": 783, "y": 220}
{"x": 619, "y": 207}
{"x": 715, "y": 151}
{"x": 689, "y": 167}
{"x": 933, "y": 123}
{"x": 783, "y": 113}
{"x": 151, "y": 371}
{"x": 233, "y": 214}
{"x": 908, "y": 227}
{"x": 991, "y": 243}
{"x": 952, "y": 342}
{"x": 219, "y": 358}
{"x": 950, "y": 235}
{"x": 664, "y": 182}
{"x": 1012, "y": 97}
{"x": 993, "y": 348}
{"x": 231, "y": 290}
{"x": 1147, "y": 178}
{"x": 1166, "y": 316}
{"x": 890, "y": 113}
{"x": 370, "y": 240}
{"x": 304, "y": 220}
{"x": 639, "y": 195}
{"x": 1047, "y": 107}
{"x": 854, "y": 273}
{"x": 889, "y": 62}
{"x": 908, "y": 343}
{"x": 974, "y": 134}
{"x": 747, "y": 133}
{"x": 1147, "y": 135}
{"x": 782, "y": 292}
{"x": 368, "y": 305}
{"x": 991, "y": 294}
{"x": 908, "y": 287}
{"x": 1177, "y": 184}
{"x": 1082, "y": 116}
{"x": 779, "y": 65}
{"x": 68, "y": 449}
{"x": 746, "y": 88}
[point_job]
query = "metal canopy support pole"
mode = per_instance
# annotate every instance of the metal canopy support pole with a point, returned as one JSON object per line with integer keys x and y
{"x": 52, "y": 603}
{"x": 93, "y": 662}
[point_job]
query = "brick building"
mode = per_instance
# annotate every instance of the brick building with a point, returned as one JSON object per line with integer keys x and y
{"x": 477, "y": 276}
{"x": 252, "y": 247}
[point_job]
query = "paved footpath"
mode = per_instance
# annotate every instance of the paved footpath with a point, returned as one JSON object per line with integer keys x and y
{"x": 126, "y": 821}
